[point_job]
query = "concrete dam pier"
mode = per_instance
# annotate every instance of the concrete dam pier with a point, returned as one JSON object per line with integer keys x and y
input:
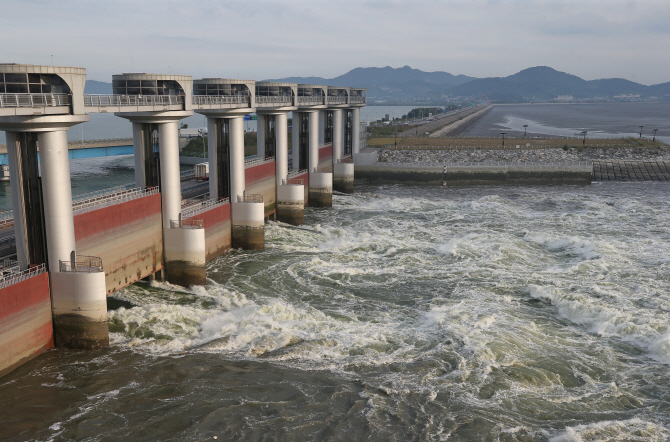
{"x": 72, "y": 253}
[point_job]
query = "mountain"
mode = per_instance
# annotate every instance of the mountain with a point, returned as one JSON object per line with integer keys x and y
{"x": 389, "y": 84}
{"x": 544, "y": 83}
{"x": 97, "y": 87}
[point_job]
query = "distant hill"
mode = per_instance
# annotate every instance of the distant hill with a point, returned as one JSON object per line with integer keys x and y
{"x": 97, "y": 87}
{"x": 407, "y": 85}
{"x": 389, "y": 84}
{"x": 544, "y": 83}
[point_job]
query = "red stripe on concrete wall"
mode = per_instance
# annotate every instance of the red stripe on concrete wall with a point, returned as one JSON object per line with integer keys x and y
{"x": 118, "y": 215}
{"x": 326, "y": 158}
{"x": 127, "y": 236}
{"x": 25, "y": 322}
{"x": 217, "y": 230}
{"x": 261, "y": 180}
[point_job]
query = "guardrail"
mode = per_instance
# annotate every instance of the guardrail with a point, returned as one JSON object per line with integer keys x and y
{"x": 337, "y": 100}
{"x": 286, "y": 99}
{"x": 112, "y": 199}
{"x": 34, "y": 100}
{"x": 221, "y": 99}
{"x": 322, "y": 145}
{"x": 252, "y": 162}
{"x": 132, "y": 100}
{"x": 250, "y": 198}
{"x": 187, "y": 223}
{"x": 292, "y": 181}
{"x": 81, "y": 264}
{"x": 199, "y": 185}
{"x": 357, "y": 100}
{"x": 102, "y": 193}
{"x": 11, "y": 274}
{"x": 204, "y": 206}
{"x": 100, "y": 141}
{"x": 187, "y": 175}
{"x": 313, "y": 100}
{"x": 294, "y": 173}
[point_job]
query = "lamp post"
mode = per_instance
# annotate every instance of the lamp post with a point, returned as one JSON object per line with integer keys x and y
{"x": 525, "y": 126}
{"x": 654, "y": 131}
{"x": 201, "y": 132}
{"x": 584, "y": 134}
{"x": 641, "y": 131}
{"x": 395, "y": 138}
{"x": 503, "y": 134}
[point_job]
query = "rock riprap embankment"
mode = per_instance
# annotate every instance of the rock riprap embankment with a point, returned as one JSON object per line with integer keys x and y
{"x": 661, "y": 153}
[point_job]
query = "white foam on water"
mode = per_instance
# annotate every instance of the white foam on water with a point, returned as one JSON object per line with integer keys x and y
{"x": 631, "y": 430}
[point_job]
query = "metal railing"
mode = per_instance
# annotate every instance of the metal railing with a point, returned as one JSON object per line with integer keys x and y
{"x": 252, "y": 162}
{"x": 132, "y": 100}
{"x": 250, "y": 198}
{"x": 294, "y": 173}
{"x": 187, "y": 175}
{"x": 112, "y": 199}
{"x": 187, "y": 223}
{"x": 195, "y": 187}
{"x": 8, "y": 214}
{"x": 357, "y": 100}
{"x": 292, "y": 181}
{"x": 337, "y": 100}
{"x": 204, "y": 206}
{"x": 287, "y": 99}
{"x": 221, "y": 99}
{"x": 322, "y": 145}
{"x": 34, "y": 100}
{"x": 102, "y": 193}
{"x": 11, "y": 274}
{"x": 82, "y": 264}
{"x": 313, "y": 100}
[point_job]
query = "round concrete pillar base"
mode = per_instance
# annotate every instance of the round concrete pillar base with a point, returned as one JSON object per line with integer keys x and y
{"x": 79, "y": 305}
{"x": 248, "y": 237}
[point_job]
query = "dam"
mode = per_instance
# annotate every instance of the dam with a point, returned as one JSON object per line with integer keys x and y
{"x": 71, "y": 253}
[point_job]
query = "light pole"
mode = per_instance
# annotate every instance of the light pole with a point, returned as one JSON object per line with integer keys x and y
{"x": 201, "y": 132}
{"x": 524, "y": 130}
{"x": 654, "y": 131}
{"x": 584, "y": 134}
{"x": 395, "y": 138}
{"x": 503, "y": 134}
{"x": 641, "y": 131}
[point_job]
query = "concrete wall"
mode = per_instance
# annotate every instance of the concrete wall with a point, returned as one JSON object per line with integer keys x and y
{"x": 261, "y": 180}
{"x": 25, "y": 322}
{"x": 305, "y": 181}
{"x": 217, "y": 230}
{"x": 127, "y": 236}
{"x": 326, "y": 158}
{"x": 475, "y": 175}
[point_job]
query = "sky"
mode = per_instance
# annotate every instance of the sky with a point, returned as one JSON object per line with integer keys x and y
{"x": 257, "y": 39}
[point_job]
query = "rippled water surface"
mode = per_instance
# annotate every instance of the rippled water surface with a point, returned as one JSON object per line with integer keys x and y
{"x": 403, "y": 313}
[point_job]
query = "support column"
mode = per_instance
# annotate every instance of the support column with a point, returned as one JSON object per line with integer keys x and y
{"x": 295, "y": 141}
{"x": 79, "y": 300}
{"x": 18, "y": 199}
{"x": 260, "y": 136}
{"x": 212, "y": 137}
{"x": 247, "y": 216}
{"x": 183, "y": 244}
{"x": 138, "y": 150}
{"x": 290, "y": 197}
{"x": 313, "y": 141}
{"x": 320, "y": 183}
{"x": 355, "y": 130}
{"x": 343, "y": 173}
{"x": 322, "y": 126}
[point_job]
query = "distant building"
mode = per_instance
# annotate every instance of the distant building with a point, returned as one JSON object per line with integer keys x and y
{"x": 564, "y": 99}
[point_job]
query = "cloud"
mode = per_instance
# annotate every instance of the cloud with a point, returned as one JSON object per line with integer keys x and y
{"x": 271, "y": 39}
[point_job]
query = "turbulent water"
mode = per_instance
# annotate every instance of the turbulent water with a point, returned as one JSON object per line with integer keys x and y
{"x": 505, "y": 314}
